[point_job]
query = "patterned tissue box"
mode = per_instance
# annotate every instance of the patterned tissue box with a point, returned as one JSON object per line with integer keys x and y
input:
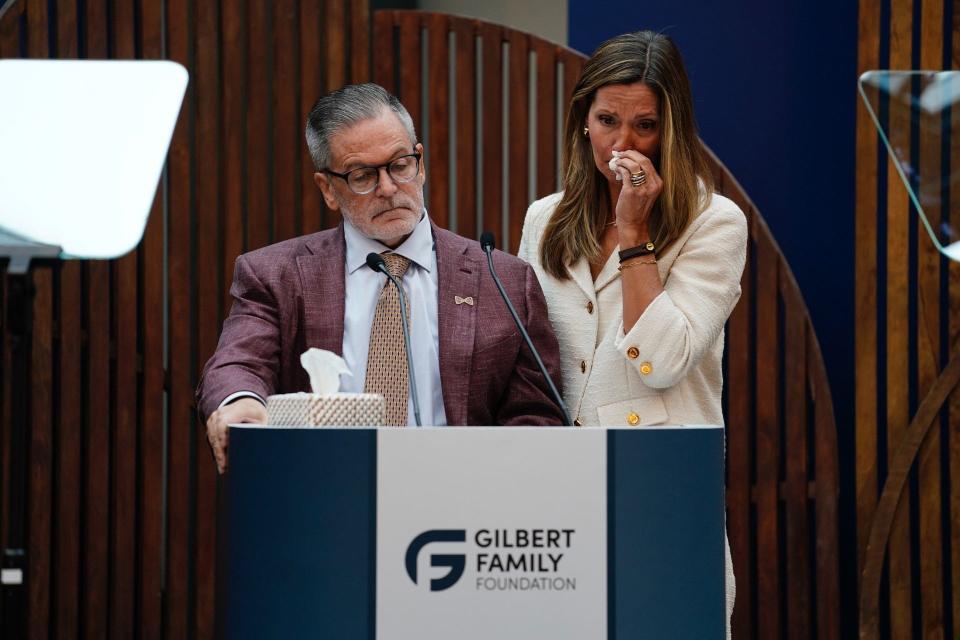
{"x": 328, "y": 410}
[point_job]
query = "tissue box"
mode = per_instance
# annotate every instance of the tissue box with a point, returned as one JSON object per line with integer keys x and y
{"x": 326, "y": 410}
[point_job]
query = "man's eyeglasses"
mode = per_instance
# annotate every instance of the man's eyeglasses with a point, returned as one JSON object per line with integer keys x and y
{"x": 365, "y": 179}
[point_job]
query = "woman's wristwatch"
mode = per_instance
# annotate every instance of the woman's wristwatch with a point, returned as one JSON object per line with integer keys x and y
{"x": 635, "y": 252}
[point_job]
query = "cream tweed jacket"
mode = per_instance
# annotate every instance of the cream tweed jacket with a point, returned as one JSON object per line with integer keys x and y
{"x": 668, "y": 368}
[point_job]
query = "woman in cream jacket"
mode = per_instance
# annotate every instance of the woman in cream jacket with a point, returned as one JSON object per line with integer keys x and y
{"x": 639, "y": 260}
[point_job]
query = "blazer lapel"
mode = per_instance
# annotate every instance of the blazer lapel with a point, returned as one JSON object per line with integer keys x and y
{"x": 580, "y": 273}
{"x": 608, "y": 273}
{"x": 322, "y": 281}
{"x": 457, "y": 276}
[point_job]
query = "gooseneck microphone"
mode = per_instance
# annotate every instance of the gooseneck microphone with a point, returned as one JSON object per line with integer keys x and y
{"x": 487, "y": 242}
{"x": 376, "y": 262}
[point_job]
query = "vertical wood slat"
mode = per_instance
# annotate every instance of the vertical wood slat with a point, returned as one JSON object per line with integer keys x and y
{"x": 286, "y": 134}
{"x": 209, "y": 284}
{"x": 826, "y": 492}
{"x": 69, "y": 436}
{"x": 69, "y": 426}
{"x": 124, "y": 447}
{"x": 336, "y": 32}
{"x": 94, "y": 591}
{"x": 767, "y": 441}
{"x": 40, "y": 492}
{"x": 311, "y": 88}
{"x": 177, "y": 604}
{"x": 10, "y": 32}
{"x": 518, "y": 146}
{"x": 8, "y": 538}
{"x": 336, "y": 69}
{"x": 546, "y": 134}
{"x": 954, "y": 333}
{"x": 467, "y": 137}
{"x": 738, "y": 377}
{"x": 151, "y": 473}
{"x": 66, "y": 569}
{"x": 411, "y": 73}
{"x": 437, "y": 110}
{"x": 898, "y": 327}
{"x": 259, "y": 126}
{"x": 383, "y": 50}
{"x": 928, "y": 340}
{"x": 493, "y": 124}
{"x": 797, "y": 578}
{"x": 865, "y": 303}
{"x": 233, "y": 53}
{"x": 359, "y": 41}
{"x": 96, "y": 542}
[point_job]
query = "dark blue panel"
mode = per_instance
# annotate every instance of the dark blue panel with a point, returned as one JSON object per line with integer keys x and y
{"x": 302, "y": 518}
{"x": 665, "y": 488}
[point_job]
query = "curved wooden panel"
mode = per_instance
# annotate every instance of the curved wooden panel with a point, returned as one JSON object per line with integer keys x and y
{"x": 782, "y": 457}
{"x": 902, "y": 460}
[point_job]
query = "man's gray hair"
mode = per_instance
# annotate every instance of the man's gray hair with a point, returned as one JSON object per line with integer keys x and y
{"x": 345, "y": 107}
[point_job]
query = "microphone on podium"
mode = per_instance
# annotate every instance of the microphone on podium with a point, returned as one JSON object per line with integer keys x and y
{"x": 487, "y": 242}
{"x": 376, "y": 262}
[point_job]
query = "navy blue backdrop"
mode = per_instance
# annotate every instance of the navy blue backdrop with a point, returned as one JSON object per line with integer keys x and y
{"x": 775, "y": 93}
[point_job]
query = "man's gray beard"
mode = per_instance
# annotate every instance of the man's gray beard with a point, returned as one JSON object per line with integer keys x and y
{"x": 376, "y": 232}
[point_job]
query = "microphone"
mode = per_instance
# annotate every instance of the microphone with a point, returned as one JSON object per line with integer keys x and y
{"x": 376, "y": 262}
{"x": 487, "y": 243}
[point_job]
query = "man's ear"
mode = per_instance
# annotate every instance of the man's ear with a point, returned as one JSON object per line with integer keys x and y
{"x": 323, "y": 183}
{"x": 423, "y": 164}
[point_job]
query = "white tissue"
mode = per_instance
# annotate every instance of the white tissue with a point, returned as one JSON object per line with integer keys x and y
{"x": 614, "y": 165}
{"x": 324, "y": 369}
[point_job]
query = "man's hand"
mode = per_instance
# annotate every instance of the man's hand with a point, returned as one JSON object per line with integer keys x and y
{"x": 245, "y": 410}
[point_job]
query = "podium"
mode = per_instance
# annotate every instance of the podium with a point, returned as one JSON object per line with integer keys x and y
{"x": 474, "y": 533}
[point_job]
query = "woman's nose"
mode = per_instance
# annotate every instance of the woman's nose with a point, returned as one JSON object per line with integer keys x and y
{"x": 624, "y": 140}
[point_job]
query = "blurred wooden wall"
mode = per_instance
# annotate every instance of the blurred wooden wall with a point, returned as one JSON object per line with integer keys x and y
{"x": 122, "y": 487}
{"x": 907, "y": 329}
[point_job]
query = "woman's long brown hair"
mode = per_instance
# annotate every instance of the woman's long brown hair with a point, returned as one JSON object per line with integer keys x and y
{"x": 576, "y": 225}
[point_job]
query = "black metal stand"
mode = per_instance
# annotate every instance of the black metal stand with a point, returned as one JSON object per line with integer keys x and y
{"x": 16, "y": 393}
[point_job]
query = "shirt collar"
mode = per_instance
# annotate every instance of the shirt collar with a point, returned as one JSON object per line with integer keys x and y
{"x": 418, "y": 247}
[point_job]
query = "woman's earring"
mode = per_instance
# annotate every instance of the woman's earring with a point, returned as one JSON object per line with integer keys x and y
{"x": 586, "y": 131}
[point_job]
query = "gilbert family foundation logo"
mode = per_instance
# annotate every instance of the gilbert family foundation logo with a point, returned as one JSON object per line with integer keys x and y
{"x": 503, "y": 559}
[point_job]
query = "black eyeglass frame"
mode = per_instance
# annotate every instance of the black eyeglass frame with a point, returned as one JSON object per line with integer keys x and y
{"x": 345, "y": 176}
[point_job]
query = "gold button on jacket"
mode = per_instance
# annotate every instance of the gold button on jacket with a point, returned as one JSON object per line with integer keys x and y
{"x": 633, "y": 418}
{"x": 645, "y": 368}
{"x": 633, "y": 353}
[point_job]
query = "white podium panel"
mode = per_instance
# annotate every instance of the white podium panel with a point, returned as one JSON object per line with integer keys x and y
{"x": 491, "y": 533}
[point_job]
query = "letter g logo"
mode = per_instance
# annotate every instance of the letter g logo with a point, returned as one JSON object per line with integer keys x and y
{"x": 456, "y": 562}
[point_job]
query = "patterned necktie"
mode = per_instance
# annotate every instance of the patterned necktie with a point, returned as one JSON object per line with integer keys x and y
{"x": 387, "y": 355}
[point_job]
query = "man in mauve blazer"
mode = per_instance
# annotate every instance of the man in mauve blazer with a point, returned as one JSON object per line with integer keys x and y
{"x": 295, "y": 294}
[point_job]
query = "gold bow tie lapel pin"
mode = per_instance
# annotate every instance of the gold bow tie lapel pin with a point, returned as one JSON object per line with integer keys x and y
{"x": 468, "y": 300}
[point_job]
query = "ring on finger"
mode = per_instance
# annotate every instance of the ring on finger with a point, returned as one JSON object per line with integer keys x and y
{"x": 637, "y": 179}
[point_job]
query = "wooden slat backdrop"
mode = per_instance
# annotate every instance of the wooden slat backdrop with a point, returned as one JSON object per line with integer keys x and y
{"x": 122, "y": 489}
{"x": 908, "y": 324}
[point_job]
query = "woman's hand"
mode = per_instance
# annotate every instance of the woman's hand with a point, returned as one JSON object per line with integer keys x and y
{"x": 635, "y": 203}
